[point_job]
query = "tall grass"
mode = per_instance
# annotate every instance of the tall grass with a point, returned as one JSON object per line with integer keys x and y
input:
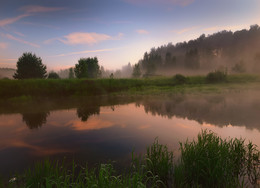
{"x": 208, "y": 161}
{"x": 88, "y": 87}
{"x": 213, "y": 162}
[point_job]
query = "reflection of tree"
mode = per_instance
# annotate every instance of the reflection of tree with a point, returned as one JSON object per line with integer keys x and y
{"x": 35, "y": 120}
{"x": 85, "y": 111}
{"x": 221, "y": 110}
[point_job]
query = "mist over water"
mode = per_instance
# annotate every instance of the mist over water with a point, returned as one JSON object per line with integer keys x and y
{"x": 100, "y": 129}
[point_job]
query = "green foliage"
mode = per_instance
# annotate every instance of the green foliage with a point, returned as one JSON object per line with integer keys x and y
{"x": 179, "y": 79}
{"x": 216, "y": 77}
{"x": 213, "y": 162}
{"x": 71, "y": 73}
{"x": 207, "y": 162}
{"x": 30, "y": 66}
{"x": 104, "y": 86}
{"x": 53, "y": 75}
{"x": 159, "y": 161}
{"x": 136, "y": 71}
{"x": 192, "y": 59}
{"x": 87, "y": 68}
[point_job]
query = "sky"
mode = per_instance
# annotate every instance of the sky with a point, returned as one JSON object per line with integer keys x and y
{"x": 115, "y": 31}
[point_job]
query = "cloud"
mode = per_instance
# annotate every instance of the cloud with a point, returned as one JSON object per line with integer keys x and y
{"x": 39, "y": 9}
{"x": 9, "y": 21}
{"x": 185, "y": 30}
{"x": 11, "y": 37}
{"x": 167, "y": 2}
{"x": 83, "y": 52}
{"x": 142, "y": 31}
{"x": 219, "y": 28}
{"x": 3, "y": 45}
{"x": 28, "y": 11}
{"x": 84, "y": 38}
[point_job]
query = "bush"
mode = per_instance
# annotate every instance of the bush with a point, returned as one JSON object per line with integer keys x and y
{"x": 216, "y": 77}
{"x": 179, "y": 79}
{"x": 53, "y": 75}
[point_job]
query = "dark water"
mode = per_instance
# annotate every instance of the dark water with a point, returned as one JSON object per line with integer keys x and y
{"x": 94, "y": 130}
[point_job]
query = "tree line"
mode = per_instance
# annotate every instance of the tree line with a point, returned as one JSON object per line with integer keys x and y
{"x": 237, "y": 52}
{"x": 30, "y": 66}
{"x": 228, "y": 51}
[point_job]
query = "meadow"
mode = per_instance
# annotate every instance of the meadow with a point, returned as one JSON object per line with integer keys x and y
{"x": 105, "y": 86}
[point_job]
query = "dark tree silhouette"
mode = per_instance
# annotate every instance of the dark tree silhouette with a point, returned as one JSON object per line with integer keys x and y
{"x": 30, "y": 66}
{"x": 35, "y": 120}
{"x": 192, "y": 59}
{"x": 71, "y": 73}
{"x": 85, "y": 111}
{"x": 207, "y": 53}
{"x": 53, "y": 75}
{"x": 136, "y": 71}
{"x": 87, "y": 68}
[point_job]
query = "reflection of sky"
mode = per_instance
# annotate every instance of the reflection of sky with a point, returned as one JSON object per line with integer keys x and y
{"x": 109, "y": 135}
{"x": 116, "y": 31}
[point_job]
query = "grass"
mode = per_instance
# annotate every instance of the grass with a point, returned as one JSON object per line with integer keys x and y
{"x": 92, "y": 87}
{"x": 208, "y": 161}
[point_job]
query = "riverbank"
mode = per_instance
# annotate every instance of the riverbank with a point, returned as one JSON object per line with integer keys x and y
{"x": 207, "y": 161}
{"x": 94, "y": 87}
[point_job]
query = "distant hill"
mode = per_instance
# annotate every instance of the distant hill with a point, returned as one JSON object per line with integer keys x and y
{"x": 7, "y": 73}
{"x": 236, "y": 52}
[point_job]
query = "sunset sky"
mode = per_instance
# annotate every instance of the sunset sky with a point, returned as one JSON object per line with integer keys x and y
{"x": 116, "y": 31}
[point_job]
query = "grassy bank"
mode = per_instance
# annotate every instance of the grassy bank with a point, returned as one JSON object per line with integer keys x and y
{"x": 90, "y": 87}
{"x": 208, "y": 161}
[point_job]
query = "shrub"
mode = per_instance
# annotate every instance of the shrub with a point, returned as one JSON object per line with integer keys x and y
{"x": 216, "y": 77}
{"x": 179, "y": 79}
{"x": 53, "y": 75}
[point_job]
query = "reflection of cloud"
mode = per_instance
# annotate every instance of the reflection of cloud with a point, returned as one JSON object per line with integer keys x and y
{"x": 11, "y": 37}
{"x": 37, "y": 150}
{"x": 84, "y": 38}
{"x": 91, "y": 124}
{"x": 9, "y": 21}
{"x": 144, "y": 127}
{"x": 168, "y": 2}
{"x": 142, "y": 31}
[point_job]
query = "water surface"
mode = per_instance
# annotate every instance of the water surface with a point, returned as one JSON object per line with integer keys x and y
{"x": 94, "y": 130}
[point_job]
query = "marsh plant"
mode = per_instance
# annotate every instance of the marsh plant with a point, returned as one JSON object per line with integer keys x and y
{"x": 208, "y": 161}
{"x": 213, "y": 162}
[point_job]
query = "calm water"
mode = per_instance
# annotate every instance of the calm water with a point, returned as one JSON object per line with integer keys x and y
{"x": 96, "y": 130}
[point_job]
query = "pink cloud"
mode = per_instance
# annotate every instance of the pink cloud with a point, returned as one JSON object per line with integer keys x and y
{"x": 83, "y": 52}
{"x": 9, "y": 21}
{"x": 142, "y": 31}
{"x": 11, "y": 37}
{"x": 185, "y": 30}
{"x": 172, "y": 2}
{"x": 85, "y": 38}
{"x": 3, "y": 45}
{"x": 37, "y": 9}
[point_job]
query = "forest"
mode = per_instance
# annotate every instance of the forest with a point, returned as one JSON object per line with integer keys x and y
{"x": 234, "y": 52}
